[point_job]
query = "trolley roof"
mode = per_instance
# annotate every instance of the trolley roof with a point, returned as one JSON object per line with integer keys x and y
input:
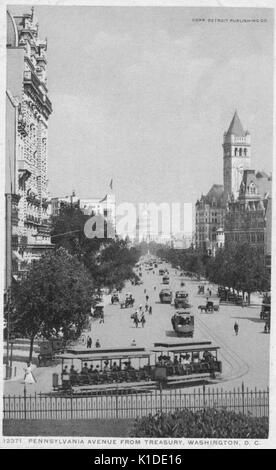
{"x": 186, "y": 349}
{"x": 189, "y": 343}
{"x": 100, "y": 356}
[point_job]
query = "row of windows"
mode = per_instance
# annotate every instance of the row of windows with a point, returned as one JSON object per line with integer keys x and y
{"x": 240, "y": 152}
{"x": 250, "y": 237}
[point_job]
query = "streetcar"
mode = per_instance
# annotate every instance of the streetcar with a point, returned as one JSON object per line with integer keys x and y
{"x": 181, "y": 299}
{"x": 183, "y": 323}
{"x": 136, "y": 369}
{"x": 165, "y": 296}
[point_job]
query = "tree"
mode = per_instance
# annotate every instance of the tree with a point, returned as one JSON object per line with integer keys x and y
{"x": 55, "y": 295}
{"x": 240, "y": 267}
{"x": 110, "y": 261}
{"x": 113, "y": 265}
{"x": 251, "y": 273}
{"x": 68, "y": 232}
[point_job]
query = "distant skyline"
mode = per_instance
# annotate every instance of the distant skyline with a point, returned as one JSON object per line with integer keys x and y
{"x": 143, "y": 95}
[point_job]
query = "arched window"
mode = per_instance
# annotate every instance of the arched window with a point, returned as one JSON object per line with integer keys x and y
{"x": 245, "y": 152}
{"x": 252, "y": 188}
{"x": 240, "y": 152}
{"x": 236, "y": 151}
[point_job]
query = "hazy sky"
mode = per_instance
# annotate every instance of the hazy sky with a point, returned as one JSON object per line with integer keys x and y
{"x": 143, "y": 95}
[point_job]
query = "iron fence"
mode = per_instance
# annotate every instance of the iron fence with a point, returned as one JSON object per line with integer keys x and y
{"x": 133, "y": 405}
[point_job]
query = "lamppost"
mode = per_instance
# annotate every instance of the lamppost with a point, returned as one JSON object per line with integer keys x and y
{"x": 8, "y": 307}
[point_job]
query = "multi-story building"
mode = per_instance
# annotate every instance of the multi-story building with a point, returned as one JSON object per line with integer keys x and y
{"x": 27, "y": 147}
{"x": 57, "y": 203}
{"x": 106, "y": 207}
{"x": 210, "y": 210}
{"x": 236, "y": 157}
{"x": 248, "y": 218}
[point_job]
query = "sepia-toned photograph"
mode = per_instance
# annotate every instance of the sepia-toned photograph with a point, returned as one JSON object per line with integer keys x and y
{"x": 137, "y": 224}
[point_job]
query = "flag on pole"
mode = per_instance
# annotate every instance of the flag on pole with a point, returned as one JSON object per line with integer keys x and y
{"x": 111, "y": 184}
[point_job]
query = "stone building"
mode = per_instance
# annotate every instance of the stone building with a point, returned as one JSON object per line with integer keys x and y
{"x": 240, "y": 209}
{"x": 248, "y": 218}
{"x": 57, "y": 203}
{"x": 236, "y": 157}
{"x": 29, "y": 108}
{"x": 210, "y": 210}
{"x": 106, "y": 207}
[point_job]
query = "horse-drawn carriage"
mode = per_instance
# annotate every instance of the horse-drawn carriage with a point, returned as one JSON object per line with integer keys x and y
{"x": 115, "y": 298}
{"x": 210, "y": 307}
{"x": 98, "y": 310}
{"x": 128, "y": 302}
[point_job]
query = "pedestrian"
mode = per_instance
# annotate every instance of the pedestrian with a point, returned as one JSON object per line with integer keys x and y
{"x": 65, "y": 378}
{"x": 98, "y": 345}
{"x": 150, "y": 310}
{"x": 135, "y": 319}
{"x": 102, "y": 318}
{"x": 143, "y": 320}
{"x": 145, "y": 290}
{"x": 154, "y": 287}
{"x": 147, "y": 298}
{"x": 29, "y": 377}
{"x": 236, "y": 328}
{"x": 89, "y": 342}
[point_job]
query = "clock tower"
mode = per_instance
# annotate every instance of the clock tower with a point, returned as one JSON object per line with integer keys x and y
{"x": 236, "y": 157}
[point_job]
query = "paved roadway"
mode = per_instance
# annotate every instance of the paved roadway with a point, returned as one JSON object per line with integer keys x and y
{"x": 244, "y": 357}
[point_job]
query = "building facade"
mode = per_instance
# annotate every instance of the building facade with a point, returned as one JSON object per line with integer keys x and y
{"x": 236, "y": 157}
{"x": 210, "y": 211}
{"x": 217, "y": 218}
{"x": 248, "y": 218}
{"x": 106, "y": 207}
{"x": 57, "y": 203}
{"x": 27, "y": 149}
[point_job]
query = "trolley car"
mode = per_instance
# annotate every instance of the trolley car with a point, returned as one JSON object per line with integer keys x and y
{"x": 183, "y": 323}
{"x": 137, "y": 369}
{"x": 165, "y": 296}
{"x": 181, "y": 299}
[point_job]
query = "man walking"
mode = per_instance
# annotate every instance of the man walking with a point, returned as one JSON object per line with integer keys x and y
{"x": 236, "y": 328}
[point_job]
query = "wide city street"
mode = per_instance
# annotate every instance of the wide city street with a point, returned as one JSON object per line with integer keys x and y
{"x": 245, "y": 357}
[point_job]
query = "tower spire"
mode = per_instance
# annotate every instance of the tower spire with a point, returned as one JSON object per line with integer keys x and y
{"x": 236, "y": 127}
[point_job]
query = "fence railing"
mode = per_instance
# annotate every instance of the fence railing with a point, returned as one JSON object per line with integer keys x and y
{"x": 133, "y": 405}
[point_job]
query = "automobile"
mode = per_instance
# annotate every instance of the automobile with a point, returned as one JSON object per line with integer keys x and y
{"x": 166, "y": 279}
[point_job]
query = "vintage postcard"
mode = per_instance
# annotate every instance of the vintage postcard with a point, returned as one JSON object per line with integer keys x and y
{"x": 137, "y": 229}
